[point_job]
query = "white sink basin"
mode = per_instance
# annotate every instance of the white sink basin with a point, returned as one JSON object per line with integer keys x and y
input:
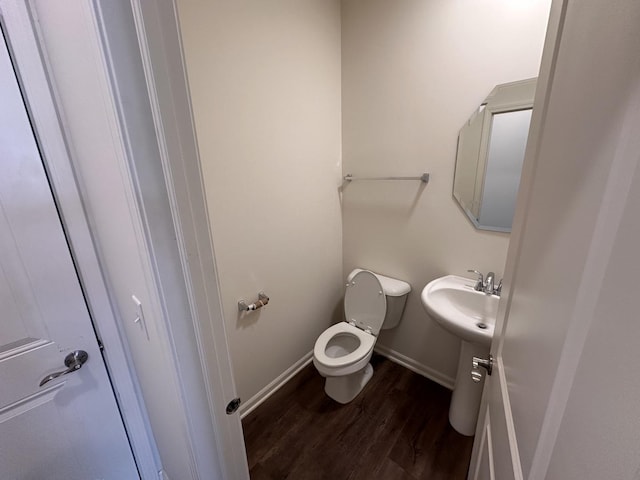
{"x": 456, "y": 306}
{"x": 471, "y": 316}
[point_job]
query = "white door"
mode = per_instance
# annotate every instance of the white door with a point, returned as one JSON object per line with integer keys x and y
{"x": 562, "y": 402}
{"x": 68, "y": 427}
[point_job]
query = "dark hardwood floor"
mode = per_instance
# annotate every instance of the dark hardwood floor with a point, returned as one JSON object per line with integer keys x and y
{"x": 397, "y": 428}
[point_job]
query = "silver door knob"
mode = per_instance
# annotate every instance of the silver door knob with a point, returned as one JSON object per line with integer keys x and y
{"x": 487, "y": 364}
{"x": 73, "y": 362}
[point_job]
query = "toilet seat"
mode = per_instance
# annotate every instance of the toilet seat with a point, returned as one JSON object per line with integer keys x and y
{"x": 367, "y": 342}
{"x": 365, "y": 304}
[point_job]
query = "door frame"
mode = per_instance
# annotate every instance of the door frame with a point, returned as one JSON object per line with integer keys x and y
{"x": 23, "y": 42}
{"x": 160, "y": 43}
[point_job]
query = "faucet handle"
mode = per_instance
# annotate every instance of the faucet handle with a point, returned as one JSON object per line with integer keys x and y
{"x": 498, "y": 289}
{"x": 479, "y": 286}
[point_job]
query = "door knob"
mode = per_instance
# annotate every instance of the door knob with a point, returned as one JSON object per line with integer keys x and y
{"x": 73, "y": 362}
{"x": 487, "y": 364}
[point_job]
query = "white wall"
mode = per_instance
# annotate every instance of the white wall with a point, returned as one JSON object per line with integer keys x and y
{"x": 265, "y": 90}
{"x": 413, "y": 71}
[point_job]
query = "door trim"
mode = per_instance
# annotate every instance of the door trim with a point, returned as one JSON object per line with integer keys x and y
{"x": 160, "y": 44}
{"x": 21, "y": 28}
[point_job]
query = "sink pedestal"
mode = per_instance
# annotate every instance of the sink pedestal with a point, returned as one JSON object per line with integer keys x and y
{"x": 465, "y": 401}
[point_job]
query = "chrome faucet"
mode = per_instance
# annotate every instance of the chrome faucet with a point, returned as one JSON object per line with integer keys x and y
{"x": 488, "y": 286}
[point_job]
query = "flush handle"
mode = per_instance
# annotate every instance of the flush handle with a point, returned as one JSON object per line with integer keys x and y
{"x": 487, "y": 364}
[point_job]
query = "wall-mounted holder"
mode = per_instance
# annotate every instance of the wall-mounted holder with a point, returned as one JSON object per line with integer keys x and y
{"x": 261, "y": 302}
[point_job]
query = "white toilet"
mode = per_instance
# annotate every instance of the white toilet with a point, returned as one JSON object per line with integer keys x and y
{"x": 341, "y": 354}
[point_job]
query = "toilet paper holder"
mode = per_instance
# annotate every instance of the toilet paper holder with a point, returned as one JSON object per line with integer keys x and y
{"x": 263, "y": 299}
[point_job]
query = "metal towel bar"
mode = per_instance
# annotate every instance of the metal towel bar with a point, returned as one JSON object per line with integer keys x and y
{"x": 423, "y": 178}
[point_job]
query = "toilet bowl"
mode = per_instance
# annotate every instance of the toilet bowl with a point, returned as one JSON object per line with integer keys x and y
{"x": 342, "y": 352}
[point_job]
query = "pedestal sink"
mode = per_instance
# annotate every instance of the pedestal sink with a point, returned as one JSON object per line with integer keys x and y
{"x": 471, "y": 316}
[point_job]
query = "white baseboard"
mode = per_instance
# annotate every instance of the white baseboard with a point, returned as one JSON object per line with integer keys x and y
{"x": 254, "y": 402}
{"x": 416, "y": 367}
{"x": 250, "y": 405}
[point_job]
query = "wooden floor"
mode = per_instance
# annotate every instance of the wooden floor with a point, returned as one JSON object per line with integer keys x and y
{"x": 397, "y": 428}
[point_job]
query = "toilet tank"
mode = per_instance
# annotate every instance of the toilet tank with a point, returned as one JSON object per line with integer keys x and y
{"x": 396, "y": 292}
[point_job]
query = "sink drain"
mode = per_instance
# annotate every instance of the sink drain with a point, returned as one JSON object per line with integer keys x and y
{"x": 481, "y": 325}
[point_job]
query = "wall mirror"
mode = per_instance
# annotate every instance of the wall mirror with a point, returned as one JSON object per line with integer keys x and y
{"x": 490, "y": 153}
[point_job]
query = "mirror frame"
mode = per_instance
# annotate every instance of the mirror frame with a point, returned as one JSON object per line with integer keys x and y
{"x": 508, "y": 97}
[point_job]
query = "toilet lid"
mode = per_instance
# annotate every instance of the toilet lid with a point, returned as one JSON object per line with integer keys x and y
{"x": 365, "y": 302}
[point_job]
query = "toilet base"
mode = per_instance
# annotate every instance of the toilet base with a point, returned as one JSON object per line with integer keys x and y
{"x": 345, "y": 388}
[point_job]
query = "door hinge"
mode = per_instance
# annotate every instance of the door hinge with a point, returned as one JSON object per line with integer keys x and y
{"x": 100, "y": 345}
{"x": 233, "y": 405}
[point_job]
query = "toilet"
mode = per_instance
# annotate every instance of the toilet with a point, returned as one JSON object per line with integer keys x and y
{"x": 342, "y": 352}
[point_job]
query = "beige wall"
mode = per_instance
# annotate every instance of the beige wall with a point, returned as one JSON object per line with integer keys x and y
{"x": 412, "y": 73}
{"x": 265, "y": 86}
